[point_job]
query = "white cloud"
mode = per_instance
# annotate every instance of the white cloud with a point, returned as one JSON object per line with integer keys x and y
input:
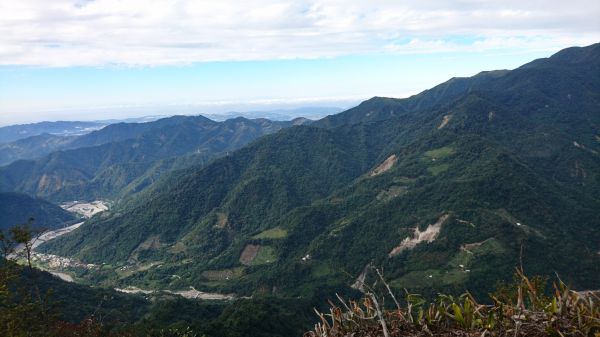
{"x": 152, "y": 32}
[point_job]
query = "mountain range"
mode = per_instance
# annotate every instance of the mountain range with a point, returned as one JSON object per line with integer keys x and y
{"x": 12, "y": 133}
{"x": 124, "y": 158}
{"x": 19, "y": 209}
{"x": 449, "y": 189}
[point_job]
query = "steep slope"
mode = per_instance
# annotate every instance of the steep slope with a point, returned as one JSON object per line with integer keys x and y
{"x": 123, "y": 131}
{"x": 103, "y": 171}
{"x": 444, "y": 197}
{"x": 383, "y": 108}
{"x": 262, "y": 181}
{"x": 486, "y": 199}
{"x": 40, "y": 145}
{"x": 16, "y": 209}
{"x": 576, "y": 61}
{"x": 32, "y": 147}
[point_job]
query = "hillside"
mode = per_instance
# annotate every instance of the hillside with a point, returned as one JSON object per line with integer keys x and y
{"x": 383, "y": 108}
{"x": 16, "y": 209}
{"x": 68, "y": 309}
{"x": 15, "y": 132}
{"x": 41, "y": 145}
{"x": 445, "y": 194}
{"x": 130, "y": 164}
{"x": 32, "y": 147}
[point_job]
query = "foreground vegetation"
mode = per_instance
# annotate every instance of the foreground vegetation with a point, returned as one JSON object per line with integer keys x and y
{"x": 33, "y": 303}
{"x": 522, "y": 309}
{"x": 448, "y": 190}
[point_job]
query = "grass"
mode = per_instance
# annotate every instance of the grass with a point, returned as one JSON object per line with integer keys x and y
{"x": 420, "y": 279}
{"x": 223, "y": 274}
{"x": 221, "y": 220}
{"x": 266, "y": 254}
{"x": 405, "y": 180}
{"x": 455, "y": 272}
{"x": 392, "y": 192}
{"x": 521, "y": 309}
{"x": 273, "y": 233}
{"x": 440, "y": 153}
{"x": 321, "y": 270}
{"x": 432, "y": 156}
{"x": 132, "y": 269}
{"x": 465, "y": 257}
{"x": 177, "y": 248}
{"x": 438, "y": 169}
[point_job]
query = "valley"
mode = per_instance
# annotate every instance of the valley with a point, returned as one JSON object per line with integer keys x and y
{"x": 53, "y": 234}
{"x": 66, "y": 268}
{"x": 421, "y": 182}
{"x": 446, "y": 191}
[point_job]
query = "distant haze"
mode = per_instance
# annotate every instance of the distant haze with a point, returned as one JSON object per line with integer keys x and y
{"x": 84, "y": 60}
{"x": 273, "y": 111}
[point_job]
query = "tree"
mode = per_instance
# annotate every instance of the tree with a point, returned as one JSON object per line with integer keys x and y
{"x": 25, "y": 236}
{"x": 7, "y": 245}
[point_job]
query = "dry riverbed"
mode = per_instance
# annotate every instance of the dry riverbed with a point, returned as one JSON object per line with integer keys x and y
{"x": 58, "y": 265}
{"x": 191, "y": 293}
{"x": 85, "y": 209}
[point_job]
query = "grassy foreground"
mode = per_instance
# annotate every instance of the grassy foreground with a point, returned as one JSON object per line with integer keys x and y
{"x": 522, "y": 309}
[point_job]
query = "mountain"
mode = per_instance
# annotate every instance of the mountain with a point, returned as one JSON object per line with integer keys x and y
{"x": 16, "y": 209}
{"x": 58, "y": 308}
{"x": 12, "y": 133}
{"x": 383, "y": 108}
{"x": 139, "y": 154}
{"x": 40, "y": 145}
{"x": 448, "y": 189}
{"x": 122, "y": 131}
{"x": 32, "y": 147}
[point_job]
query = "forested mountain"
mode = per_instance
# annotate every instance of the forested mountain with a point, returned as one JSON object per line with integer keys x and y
{"x": 69, "y": 309}
{"x": 382, "y": 108}
{"x": 17, "y": 209}
{"x": 451, "y": 189}
{"x": 12, "y": 133}
{"x": 122, "y": 131}
{"x": 40, "y": 145}
{"x": 32, "y": 147}
{"x": 139, "y": 154}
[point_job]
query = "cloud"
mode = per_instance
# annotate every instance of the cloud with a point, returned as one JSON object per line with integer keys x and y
{"x": 150, "y": 32}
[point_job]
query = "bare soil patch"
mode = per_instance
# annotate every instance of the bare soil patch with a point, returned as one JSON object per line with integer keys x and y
{"x": 85, "y": 209}
{"x": 428, "y": 235}
{"x": 249, "y": 254}
{"x": 470, "y": 246}
{"x": 445, "y": 121}
{"x": 221, "y": 220}
{"x": 385, "y": 166}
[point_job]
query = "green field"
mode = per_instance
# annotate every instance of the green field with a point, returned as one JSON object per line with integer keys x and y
{"x": 437, "y": 169}
{"x": 266, "y": 254}
{"x": 430, "y": 278}
{"x": 273, "y": 233}
{"x": 442, "y": 152}
{"x": 223, "y": 274}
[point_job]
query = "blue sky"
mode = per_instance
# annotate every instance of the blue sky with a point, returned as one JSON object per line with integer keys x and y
{"x": 106, "y": 58}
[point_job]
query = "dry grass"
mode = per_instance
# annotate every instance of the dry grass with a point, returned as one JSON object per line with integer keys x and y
{"x": 527, "y": 312}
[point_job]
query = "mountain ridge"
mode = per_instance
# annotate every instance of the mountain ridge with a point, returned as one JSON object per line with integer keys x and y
{"x": 18, "y": 209}
{"x": 495, "y": 156}
{"x": 102, "y": 171}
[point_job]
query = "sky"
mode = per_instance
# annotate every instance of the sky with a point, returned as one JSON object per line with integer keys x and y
{"x": 100, "y": 59}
